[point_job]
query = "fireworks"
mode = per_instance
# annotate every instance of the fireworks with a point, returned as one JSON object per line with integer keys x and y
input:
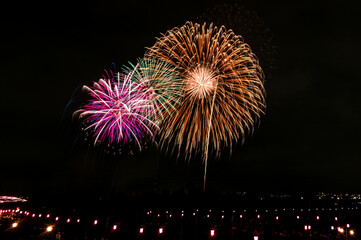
{"x": 163, "y": 82}
{"x": 223, "y": 94}
{"x": 201, "y": 86}
{"x": 119, "y": 110}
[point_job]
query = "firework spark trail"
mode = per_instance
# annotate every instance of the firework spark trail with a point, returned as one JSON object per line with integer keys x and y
{"x": 119, "y": 110}
{"x": 163, "y": 83}
{"x": 223, "y": 93}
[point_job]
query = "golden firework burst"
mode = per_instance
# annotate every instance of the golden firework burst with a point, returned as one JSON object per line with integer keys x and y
{"x": 223, "y": 91}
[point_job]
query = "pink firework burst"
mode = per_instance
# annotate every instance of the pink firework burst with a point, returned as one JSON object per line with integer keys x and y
{"x": 119, "y": 110}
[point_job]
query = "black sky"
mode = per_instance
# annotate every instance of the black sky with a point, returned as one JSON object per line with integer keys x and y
{"x": 308, "y": 140}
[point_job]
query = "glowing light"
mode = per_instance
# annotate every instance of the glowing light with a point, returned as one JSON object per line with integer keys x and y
{"x": 309, "y": 227}
{"x": 298, "y": 217}
{"x": 277, "y": 218}
{"x": 48, "y": 216}
{"x": 14, "y": 225}
{"x": 332, "y": 228}
{"x": 341, "y": 230}
{"x": 141, "y": 230}
{"x": 40, "y": 215}
{"x": 95, "y": 222}
{"x": 240, "y": 216}
{"x": 222, "y": 216}
{"x": 78, "y": 220}
{"x": 255, "y": 238}
{"x": 336, "y": 218}
{"x": 49, "y": 228}
{"x": 305, "y": 227}
{"x": 57, "y": 218}
{"x": 318, "y": 218}
{"x": 160, "y": 230}
{"x": 115, "y": 227}
{"x": 213, "y": 233}
{"x": 352, "y": 232}
{"x": 258, "y": 216}
{"x": 68, "y": 220}
{"x": 347, "y": 225}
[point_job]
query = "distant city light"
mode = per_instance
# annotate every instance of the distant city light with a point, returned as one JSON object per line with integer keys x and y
{"x": 347, "y": 225}
{"x": 332, "y": 228}
{"x": 141, "y": 230}
{"x": 115, "y": 227}
{"x": 336, "y": 218}
{"x": 160, "y": 230}
{"x": 258, "y": 216}
{"x": 78, "y": 220}
{"x": 352, "y": 232}
{"x": 318, "y": 217}
{"x": 48, "y": 216}
{"x": 309, "y": 227}
{"x": 14, "y": 225}
{"x": 68, "y": 220}
{"x": 212, "y": 232}
{"x": 255, "y": 238}
{"x": 95, "y": 222}
{"x": 49, "y": 229}
{"x": 305, "y": 227}
{"x": 57, "y": 218}
{"x": 298, "y": 217}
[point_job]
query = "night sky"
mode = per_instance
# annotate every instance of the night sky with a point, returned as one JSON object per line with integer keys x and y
{"x": 308, "y": 140}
